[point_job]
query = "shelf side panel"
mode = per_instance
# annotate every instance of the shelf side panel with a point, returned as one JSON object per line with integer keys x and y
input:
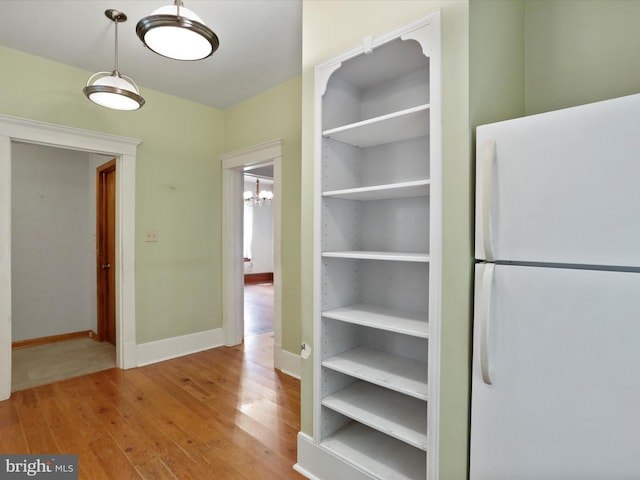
{"x": 341, "y": 224}
{"x": 340, "y": 165}
{"x": 340, "y": 284}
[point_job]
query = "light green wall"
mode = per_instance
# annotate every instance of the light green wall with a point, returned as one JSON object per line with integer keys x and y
{"x": 271, "y": 115}
{"x": 329, "y": 28}
{"x": 580, "y": 51}
{"x": 496, "y": 60}
{"x": 178, "y": 289}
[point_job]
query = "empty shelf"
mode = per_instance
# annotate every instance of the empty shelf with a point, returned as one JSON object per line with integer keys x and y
{"x": 397, "y": 320}
{"x": 394, "y": 414}
{"x": 418, "y": 188}
{"x": 394, "y": 127}
{"x": 378, "y": 454}
{"x": 369, "y": 255}
{"x": 401, "y": 374}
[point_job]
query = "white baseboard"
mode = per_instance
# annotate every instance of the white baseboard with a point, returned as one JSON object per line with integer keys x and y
{"x": 152, "y": 352}
{"x": 5, "y": 383}
{"x": 316, "y": 463}
{"x": 288, "y": 362}
{"x": 128, "y": 358}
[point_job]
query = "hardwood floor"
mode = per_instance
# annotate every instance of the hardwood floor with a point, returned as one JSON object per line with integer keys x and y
{"x": 220, "y": 414}
{"x": 258, "y": 308}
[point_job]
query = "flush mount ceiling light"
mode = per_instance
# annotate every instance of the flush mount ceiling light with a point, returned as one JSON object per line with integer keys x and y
{"x": 176, "y": 32}
{"x": 111, "y": 89}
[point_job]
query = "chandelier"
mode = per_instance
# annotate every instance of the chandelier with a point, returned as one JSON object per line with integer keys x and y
{"x": 260, "y": 198}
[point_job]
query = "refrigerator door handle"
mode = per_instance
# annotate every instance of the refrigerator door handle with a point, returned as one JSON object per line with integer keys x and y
{"x": 488, "y": 158}
{"x": 485, "y": 319}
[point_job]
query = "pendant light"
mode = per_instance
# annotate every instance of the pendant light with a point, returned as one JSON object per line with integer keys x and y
{"x": 176, "y": 32}
{"x": 112, "y": 89}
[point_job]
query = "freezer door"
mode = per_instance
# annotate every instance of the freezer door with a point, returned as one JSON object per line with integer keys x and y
{"x": 559, "y": 395}
{"x": 561, "y": 187}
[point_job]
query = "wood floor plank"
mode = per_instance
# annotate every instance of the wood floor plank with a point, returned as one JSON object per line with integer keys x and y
{"x": 113, "y": 460}
{"x": 154, "y": 469}
{"x": 68, "y": 440}
{"x": 12, "y": 438}
{"x": 37, "y": 433}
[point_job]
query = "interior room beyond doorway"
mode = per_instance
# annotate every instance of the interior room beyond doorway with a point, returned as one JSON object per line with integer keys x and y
{"x": 258, "y": 251}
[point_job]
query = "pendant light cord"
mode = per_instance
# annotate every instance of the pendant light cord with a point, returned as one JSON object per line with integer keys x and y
{"x": 116, "y": 49}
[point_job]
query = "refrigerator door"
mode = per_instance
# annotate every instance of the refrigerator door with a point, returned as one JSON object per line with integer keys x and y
{"x": 561, "y": 187}
{"x": 556, "y": 374}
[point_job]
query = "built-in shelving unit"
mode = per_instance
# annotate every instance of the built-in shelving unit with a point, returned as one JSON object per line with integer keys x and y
{"x": 377, "y": 273}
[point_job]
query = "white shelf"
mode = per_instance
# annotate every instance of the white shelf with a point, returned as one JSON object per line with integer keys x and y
{"x": 407, "y": 322}
{"x": 369, "y": 255}
{"x": 379, "y": 455}
{"x": 418, "y": 188}
{"x": 394, "y": 414}
{"x": 393, "y": 127}
{"x": 396, "y": 373}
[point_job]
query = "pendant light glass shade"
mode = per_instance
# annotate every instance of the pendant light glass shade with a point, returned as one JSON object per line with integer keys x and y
{"x": 176, "y": 32}
{"x": 112, "y": 89}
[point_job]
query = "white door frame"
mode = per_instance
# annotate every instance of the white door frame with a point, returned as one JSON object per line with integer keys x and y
{"x": 124, "y": 150}
{"x": 233, "y": 165}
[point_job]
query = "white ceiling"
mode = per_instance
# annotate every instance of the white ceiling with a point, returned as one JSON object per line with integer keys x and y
{"x": 260, "y": 44}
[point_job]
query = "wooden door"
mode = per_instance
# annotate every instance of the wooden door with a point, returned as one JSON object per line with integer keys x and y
{"x": 106, "y": 258}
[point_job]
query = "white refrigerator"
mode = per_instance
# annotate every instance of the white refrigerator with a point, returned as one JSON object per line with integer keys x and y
{"x": 556, "y": 345}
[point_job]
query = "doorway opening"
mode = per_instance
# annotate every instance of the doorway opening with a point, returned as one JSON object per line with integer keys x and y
{"x": 234, "y": 166}
{"x": 258, "y": 265}
{"x": 56, "y": 230}
{"x": 22, "y": 131}
{"x": 258, "y": 251}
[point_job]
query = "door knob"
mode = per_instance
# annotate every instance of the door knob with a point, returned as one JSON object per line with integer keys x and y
{"x": 105, "y": 266}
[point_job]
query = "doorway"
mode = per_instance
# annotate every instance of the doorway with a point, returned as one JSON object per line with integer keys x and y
{"x": 53, "y": 257}
{"x": 13, "y": 129}
{"x": 233, "y": 166}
